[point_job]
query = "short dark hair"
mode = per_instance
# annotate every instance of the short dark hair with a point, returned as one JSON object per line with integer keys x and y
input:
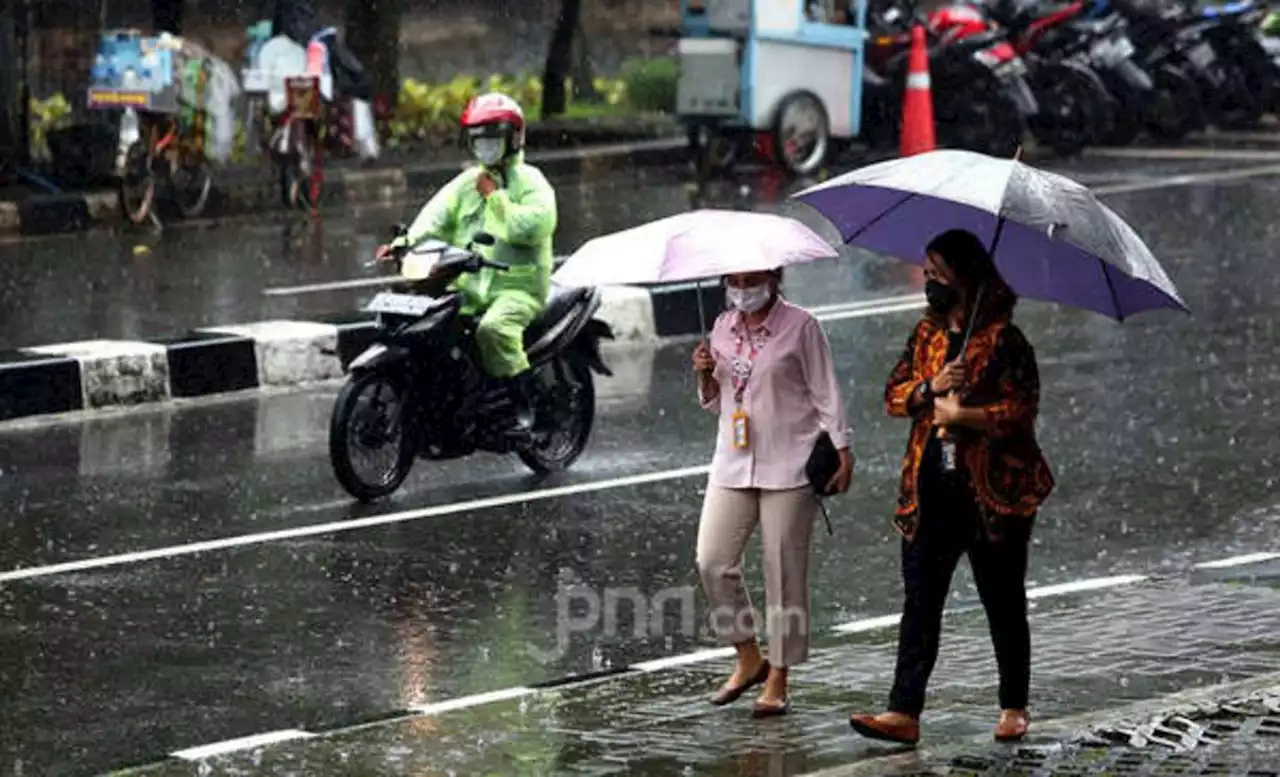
{"x": 965, "y": 254}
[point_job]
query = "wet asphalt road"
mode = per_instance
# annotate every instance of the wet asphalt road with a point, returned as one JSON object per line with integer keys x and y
{"x": 133, "y": 284}
{"x": 1161, "y": 433}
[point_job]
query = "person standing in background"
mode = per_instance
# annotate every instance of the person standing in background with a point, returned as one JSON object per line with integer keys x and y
{"x": 769, "y": 374}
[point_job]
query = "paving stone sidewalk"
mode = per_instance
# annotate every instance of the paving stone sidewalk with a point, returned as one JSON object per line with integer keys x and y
{"x": 1093, "y": 651}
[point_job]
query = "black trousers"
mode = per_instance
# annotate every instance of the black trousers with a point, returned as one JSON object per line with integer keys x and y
{"x": 950, "y": 527}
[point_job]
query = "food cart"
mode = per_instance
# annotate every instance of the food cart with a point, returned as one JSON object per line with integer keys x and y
{"x": 165, "y": 88}
{"x": 783, "y": 74}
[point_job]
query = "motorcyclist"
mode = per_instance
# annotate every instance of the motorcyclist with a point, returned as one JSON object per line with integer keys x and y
{"x": 511, "y": 200}
{"x": 299, "y": 21}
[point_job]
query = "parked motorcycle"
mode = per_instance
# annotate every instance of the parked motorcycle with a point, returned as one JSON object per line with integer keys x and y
{"x": 418, "y": 392}
{"x": 1099, "y": 55}
{"x": 1238, "y": 38}
{"x": 1171, "y": 39}
{"x": 1075, "y": 104}
{"x": 981, "y": 99}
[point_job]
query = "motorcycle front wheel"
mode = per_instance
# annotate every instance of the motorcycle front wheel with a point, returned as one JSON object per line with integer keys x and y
{"x": 564, "y": 413}
{"x": 369, "y": 418}
{"x": 1069, "y": 110}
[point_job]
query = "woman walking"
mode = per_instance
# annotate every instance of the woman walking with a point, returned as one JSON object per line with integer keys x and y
{"x": 769, "y": 373}
{"x": 973, "y": 478}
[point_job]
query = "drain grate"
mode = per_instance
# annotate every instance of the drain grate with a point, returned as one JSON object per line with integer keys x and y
{"x": 1240, "y": 738}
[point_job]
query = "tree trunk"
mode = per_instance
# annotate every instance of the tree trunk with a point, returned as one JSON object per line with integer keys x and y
{"x": 373, "y": 35}
{"x": 560, "y": 59}
{"x": 584, "y": 76}
{"x": 166, "y": 16}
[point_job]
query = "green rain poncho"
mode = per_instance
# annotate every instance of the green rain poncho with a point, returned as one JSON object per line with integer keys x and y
{"x": 521, "y": 216}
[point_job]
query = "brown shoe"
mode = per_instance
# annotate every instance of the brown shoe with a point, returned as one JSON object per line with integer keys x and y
{"x": 731, "y": 693}
{"x": 887, "y": 727}
{"x": 1012, "y": 726}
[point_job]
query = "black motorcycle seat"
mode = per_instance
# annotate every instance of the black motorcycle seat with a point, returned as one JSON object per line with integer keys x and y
{"x": 562, "y": 300}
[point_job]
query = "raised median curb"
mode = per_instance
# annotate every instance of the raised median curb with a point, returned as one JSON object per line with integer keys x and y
{"x": 243, "y": 191}
{"x": 95, "y": 374}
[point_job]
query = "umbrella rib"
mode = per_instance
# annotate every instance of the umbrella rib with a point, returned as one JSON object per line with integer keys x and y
{"x": 882, "y": 214}
{"x": 1111, "y": 289}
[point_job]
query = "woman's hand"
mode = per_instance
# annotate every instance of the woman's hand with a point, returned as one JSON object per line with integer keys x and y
{"x": 703, "y": 362}
{"x": 946, "y": 411}
{"x": 839, "y": 482}
{"x": 952, "y": 378}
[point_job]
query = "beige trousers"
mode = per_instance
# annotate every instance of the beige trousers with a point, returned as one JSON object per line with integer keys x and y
{"x": 729, "y": 516}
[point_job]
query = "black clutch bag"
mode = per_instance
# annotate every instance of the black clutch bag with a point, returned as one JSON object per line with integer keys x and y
{"x": 823, "y": 463}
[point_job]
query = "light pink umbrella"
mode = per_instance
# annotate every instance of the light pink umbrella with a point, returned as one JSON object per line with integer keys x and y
{"x": 694, "y": 246}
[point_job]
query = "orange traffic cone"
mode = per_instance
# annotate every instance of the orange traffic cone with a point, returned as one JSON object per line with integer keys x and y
{"x": 917, "y": 103}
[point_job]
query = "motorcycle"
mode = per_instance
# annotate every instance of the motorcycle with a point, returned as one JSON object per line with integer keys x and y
{"x": 1171, "y": 40}
{"x": 1238, "y": 38}
{"x": 1075, "y": 101}
{"x": 982, "y": 101}
{"x": 417, "y": 391}
{"x": 1100, "y": 57}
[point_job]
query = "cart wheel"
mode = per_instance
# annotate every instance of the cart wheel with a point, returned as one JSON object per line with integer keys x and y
{"x": 802, "y": 133}
{"x": 714, "y": 152}
{"x": 138, "y": 182}
{"x": 191, "y": 181}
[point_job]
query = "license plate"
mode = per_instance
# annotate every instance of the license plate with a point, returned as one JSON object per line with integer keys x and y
{"x": 399, "y": 304}
{"x": 1201, "y": 55}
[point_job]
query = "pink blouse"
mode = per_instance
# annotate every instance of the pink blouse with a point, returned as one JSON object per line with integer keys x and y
{"x": 791, "y": 396}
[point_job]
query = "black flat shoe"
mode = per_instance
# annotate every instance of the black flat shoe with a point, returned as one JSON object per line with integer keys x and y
{"x": 729, "y": 695}
{"x": 771, "y": 710}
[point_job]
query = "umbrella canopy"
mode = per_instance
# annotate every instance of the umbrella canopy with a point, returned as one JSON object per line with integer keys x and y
{"x": 694, "y": 246}
{"x": 1053, "y": 240}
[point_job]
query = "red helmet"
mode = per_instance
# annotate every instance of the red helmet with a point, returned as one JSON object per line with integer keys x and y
{"x": 492, "y": 128}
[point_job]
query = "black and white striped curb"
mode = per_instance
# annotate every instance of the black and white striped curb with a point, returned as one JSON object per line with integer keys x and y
{"x": 92, "y": 374}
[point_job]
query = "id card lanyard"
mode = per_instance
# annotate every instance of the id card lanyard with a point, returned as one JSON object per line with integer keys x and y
{"x": 742, "y": 369}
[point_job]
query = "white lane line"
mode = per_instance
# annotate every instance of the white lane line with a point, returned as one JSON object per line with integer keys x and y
{"x": 867, "y": 624}
{"x": 1088, "y": 584}
{"x": 353, "y": 283}
{"x": 243, "y": 743}
{"x": 1200, "y": 153}
{"x": 841, "y": 307}
{"x": 474, "y": 700}
{"x": 671, "y": 662}
{"x": 699, "y": 656}
{"x": 502, "y": 500}
{"x": 1189, "y": 179}
{"x": 1237, "y": 561}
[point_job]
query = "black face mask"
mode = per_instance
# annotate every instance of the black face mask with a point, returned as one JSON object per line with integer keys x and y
{"x": 940, "y": 296}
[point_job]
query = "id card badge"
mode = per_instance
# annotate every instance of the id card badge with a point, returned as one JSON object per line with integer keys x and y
{"x": 741, "y": 431}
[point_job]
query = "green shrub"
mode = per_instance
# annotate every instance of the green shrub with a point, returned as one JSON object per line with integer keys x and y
{"x": 651, "y": 84}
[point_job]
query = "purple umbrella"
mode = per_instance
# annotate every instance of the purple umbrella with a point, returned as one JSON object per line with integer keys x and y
{"x": 1052, "y": 239}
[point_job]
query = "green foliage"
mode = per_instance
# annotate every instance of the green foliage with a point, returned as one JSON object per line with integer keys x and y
{"x": 651, "y": 84}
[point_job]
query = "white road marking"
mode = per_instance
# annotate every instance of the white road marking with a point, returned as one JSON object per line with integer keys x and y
{"x": 243, "y": 743}
{"x": 670, "y": 662}
{"x": 334, "y": 527}
{"x": 1238, "y": 561}
{"x": 1079, "y": 586}
{"x": 1253, "y": 171}
{"x": 353, "y": 283}
{"x": 475, "y": 700}
{"x": 867, "y": 624}
{"x": 700, "y": 656}
{"x": 870, "y": 308}
{"x": 1197, "y": 153}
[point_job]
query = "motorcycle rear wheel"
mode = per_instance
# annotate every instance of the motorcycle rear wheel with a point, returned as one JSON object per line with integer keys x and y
{"x": 564, "y": 413}
{"x": 345, "y": 429}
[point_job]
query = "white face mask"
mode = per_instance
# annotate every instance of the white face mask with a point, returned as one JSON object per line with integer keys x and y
{"x": 748, "y": 300}
{"x": 488, "y": 151}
